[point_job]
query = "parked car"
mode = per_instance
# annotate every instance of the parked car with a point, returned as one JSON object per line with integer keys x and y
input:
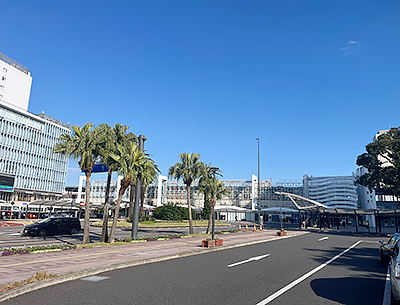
{"x": 386, "y": 249}
{"x": 394, "y": 270}
{"x": 54, "y": 225}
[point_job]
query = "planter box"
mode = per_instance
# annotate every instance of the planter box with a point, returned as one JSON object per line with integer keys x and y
{"x": 281, "y": 233}
{"x": 208, "y": 243}
{"x": 219, "y": 242}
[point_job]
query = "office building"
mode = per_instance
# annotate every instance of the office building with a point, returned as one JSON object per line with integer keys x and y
{"x": 334, "y": 192}
{"x": 29, "y": 170}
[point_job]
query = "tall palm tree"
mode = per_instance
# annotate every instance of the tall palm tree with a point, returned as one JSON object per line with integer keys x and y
{"x": 206, "y": 186}
{"x": 112, "y": 137}
{"x": 189, "y": 169}
{"x": 132, "y": 163}
{"x": 82, "y": 145}
{"x": 149, "y": 176}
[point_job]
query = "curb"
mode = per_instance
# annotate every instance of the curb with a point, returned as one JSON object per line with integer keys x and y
{"x": 70, "y": 276}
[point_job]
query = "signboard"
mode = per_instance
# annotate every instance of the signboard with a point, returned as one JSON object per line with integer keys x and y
{"x": 6, "y": 183}
{"x": 99, "y": 168}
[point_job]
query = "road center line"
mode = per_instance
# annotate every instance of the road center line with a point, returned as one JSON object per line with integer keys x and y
{"x": 305, "y": 276}
{"x": 323, "y": 238}
{"x": 251, "y": 259}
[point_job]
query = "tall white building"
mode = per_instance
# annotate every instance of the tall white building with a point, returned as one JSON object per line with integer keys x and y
{"x": 29, "y": 169}
{"x": 334, "y": 192}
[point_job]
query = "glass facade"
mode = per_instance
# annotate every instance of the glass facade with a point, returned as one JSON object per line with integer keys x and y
{"x": 334, "y": 192}
{"x": 26, "y": 151}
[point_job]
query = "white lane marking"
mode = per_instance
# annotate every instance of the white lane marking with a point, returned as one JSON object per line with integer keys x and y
{"x": 14, "y": 234}
{"x": 323, "y": 238}
{"x": 387, "y": 294}
{"x": 251, "y": 259}
{"x": 302, "y": 278}
{"x": 95, "y": 278}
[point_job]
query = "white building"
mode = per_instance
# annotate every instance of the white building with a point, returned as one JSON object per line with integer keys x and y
{"x": 27, "y": 140}
{"x": 15, "y": 83}
{"x": 334, "y": 192}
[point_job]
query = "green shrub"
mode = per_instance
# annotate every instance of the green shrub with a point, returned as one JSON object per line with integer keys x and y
{"x": 171, "y": 212}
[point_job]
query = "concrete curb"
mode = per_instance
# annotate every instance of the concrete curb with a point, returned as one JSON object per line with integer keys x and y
{"x": 70, "y": 276}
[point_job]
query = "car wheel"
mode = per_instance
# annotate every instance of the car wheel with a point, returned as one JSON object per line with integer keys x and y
{"x": 42, "y": 232}
{"x": 73, "y": 231}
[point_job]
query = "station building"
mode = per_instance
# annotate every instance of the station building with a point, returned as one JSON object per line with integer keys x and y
{"x": 29, "y": 170}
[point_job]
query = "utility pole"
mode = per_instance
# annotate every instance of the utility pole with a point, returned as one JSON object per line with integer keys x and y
{"x": 138, "y": 191}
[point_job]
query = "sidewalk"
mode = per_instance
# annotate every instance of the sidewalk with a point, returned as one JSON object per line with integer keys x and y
{"x": 76, "y": 263}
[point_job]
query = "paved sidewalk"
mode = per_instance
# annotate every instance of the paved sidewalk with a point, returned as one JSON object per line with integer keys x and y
{"x": 76, "y": 263}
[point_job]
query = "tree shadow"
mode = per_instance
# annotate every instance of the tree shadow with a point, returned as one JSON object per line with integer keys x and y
{"x": 350, "y": 290}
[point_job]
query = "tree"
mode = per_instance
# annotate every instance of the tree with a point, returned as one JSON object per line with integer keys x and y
{"x": 83, "y": 145}
{"x": 382, "y": 160}
{"x": 149, "y": 175}
{"x": 113, "y": 136}
{"x": 206, "y": 186}
{"x": 189, "y": 169}
{"x": 132, "y": 163}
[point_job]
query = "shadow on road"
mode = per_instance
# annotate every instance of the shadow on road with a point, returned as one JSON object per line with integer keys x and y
{"x": 349, "y": 290}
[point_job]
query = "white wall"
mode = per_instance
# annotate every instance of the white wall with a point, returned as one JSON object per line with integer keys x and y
{"x": 15, "y": 86}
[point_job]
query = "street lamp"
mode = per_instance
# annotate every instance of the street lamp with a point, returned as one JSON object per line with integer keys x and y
{"x": 259, "y": 182}
{"x": 214, "y": 171}
{"x": 138, "y": 190}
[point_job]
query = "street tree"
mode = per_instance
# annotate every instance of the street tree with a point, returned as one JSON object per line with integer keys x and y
{"x": 113, "y": 136}
{"x": 206, "y": 186}
{"x": 382, "y": 160}
{"x": 189, "y": 169}
{"x": 132, "y": 163}
{"x": 83, "y": 145}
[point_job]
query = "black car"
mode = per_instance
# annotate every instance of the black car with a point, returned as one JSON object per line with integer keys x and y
{"x": 386, "y": 249}
{"x": 54, "y": 225}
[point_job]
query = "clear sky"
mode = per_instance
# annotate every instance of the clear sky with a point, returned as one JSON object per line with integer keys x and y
{"x": 314, "y": 80}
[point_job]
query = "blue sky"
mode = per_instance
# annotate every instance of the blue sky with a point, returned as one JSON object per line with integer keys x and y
{"x": 314, "y": 80}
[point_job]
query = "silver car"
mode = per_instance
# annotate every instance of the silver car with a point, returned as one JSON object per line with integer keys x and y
{"x": 394, "y": 269}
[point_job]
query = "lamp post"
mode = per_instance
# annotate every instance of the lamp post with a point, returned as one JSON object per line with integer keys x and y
{"x": 213, "y": 170}
{"x": 138, "y": 190}
{"x": 259, "y": 182}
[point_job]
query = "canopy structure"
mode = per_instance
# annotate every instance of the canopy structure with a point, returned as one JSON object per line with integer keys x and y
{"x": 278, "y": 210}
{"x": 229, "y": 208}
{"x": 303, "y": 203}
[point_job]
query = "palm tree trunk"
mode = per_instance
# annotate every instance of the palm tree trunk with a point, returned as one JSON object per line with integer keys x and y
{"x": 131, "y": 200}
{"x": 190, "y": 209}
{"x": 86, "y": 238}
{"x": 104, "y": 233}
{"x": 141, "y": 210}
{"x": 116, "y": 212}
{"x": 210, "y": 216}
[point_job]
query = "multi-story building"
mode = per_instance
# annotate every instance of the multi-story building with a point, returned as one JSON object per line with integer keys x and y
{"x": 241, "y": 193}
{"x": 334, "y": 192}
{"x": 29, "y": 169}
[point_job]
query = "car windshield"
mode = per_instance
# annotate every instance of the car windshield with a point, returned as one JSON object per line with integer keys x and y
{"x": 44, "y": 220}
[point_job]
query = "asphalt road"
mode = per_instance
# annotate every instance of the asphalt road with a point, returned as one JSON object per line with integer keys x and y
{"x": 244, "y": 275}
{"x": 11, "y": 236}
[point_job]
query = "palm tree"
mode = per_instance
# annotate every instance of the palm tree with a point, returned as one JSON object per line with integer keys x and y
{"x": 112, "y": 137}
{"x": 189, "y": 169}
{"x": 206, "y": 186}
{"x": 132, "y": 163}
{"x": 82, "y": 145}
{"x": 149, "y": 175}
